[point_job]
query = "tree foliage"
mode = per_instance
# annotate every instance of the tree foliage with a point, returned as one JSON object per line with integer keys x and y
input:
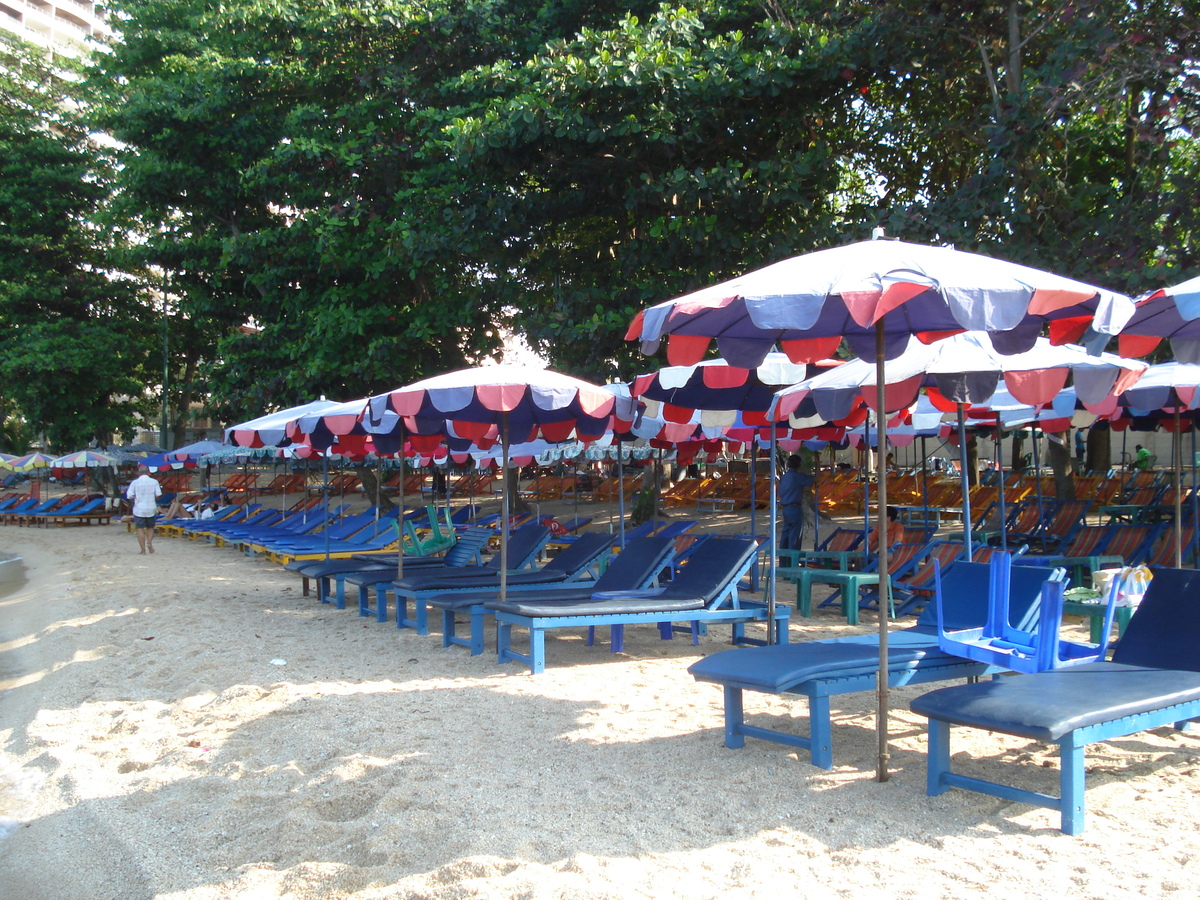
{"x": 382, "y": 187}
{"x": 72, "y": 349}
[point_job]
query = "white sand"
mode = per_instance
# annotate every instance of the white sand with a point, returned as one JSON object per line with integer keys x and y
{"x": 150, "y": 748}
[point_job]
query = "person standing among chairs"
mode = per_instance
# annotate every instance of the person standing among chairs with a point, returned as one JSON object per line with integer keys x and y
{"x": 794, "y": 499}
{"x": 143, "y": 492}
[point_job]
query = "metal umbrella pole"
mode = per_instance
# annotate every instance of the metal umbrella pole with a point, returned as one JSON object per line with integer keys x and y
{"x": 621, "y": 490}
{"x": 965, "y": 481}
{"x": 504, "y": 508}
{"x": 400, "y": 518}
{"x": 753, "y": 506}
{"x": 1003, "y": 487}
{"x": 773, "y": 544}
{"x": 1177, "y": 449}
{"x": 885, "y": 585}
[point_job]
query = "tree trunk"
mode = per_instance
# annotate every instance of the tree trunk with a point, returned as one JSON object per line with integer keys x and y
{"x": 1058, "y": 449}
{"x": 512, "y": 484}
{"x": 373, "y": 488}
{"x": 1099, "y": 450}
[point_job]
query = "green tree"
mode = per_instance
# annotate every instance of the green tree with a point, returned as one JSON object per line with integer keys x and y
{"x": 72, "y": 348}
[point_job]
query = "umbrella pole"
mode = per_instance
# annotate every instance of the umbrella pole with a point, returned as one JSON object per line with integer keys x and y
{"x": 924, "y": 476}
{"x": 621, "y": 490}
{"x": 325, "y": 493}
{"x": 885, "y": 585}
{"x": 866, "y": 490}
{"x": 400, "y": 519}
{"x": 1195, "y": 499}
{"x": 773, "y": 555}
{"x": 504, "y": 504}
{"x": 1177, "y": 449}
{"x": 965, "y": 481}
{"x": 753, "y": 506}
{"x": 1037, "y": 471}
{"x": 1003, "y": 488}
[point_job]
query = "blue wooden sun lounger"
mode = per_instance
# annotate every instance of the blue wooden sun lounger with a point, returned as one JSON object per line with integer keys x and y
{"x": 822, "y": 669}
{"x": 704, "y": 592}
{"x": 1153, "y": 680}
{"x": 638, "y": 566}
{"x": 524, "y": 545}
{"x": 90, "y": 511}
{"x": 467, "y": 551}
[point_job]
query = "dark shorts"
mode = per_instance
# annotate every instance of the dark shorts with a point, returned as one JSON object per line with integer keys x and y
{"x": 143, "y": 521}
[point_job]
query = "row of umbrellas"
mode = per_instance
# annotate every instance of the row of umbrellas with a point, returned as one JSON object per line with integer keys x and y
{"x": 885, "y": 299}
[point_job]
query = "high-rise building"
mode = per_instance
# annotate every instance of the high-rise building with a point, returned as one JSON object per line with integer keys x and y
{"x": 60, "y": 26}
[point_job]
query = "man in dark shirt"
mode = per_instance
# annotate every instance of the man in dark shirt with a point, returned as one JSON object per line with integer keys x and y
{"x": 794, "y": 490}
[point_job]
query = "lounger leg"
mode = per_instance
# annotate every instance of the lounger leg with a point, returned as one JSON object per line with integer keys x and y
{"x": 616, "y": 639}
{"x": 304, "y": 578}
{"x": 820, "y": 732}
{"x": 448, "y": 628}
{"x": 503, "y": 641}
{"x": 938, "y": 758}
{"x": 477, "y": 632}
{"x": 1072, "y": 785}
{"x": 804, "y": 594}
{"x": 323, "y": 590}
{"x": 734, "y": 717}
{"x": 850, "y": 601}
{"x": 537, "y": 650}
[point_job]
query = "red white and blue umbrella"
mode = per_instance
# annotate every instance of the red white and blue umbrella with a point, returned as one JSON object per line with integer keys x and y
{"x": 1172, "y": 313}
{"x": 272, "y": 428}
{"x": 517, "y": 404}
{"x": 876, "y": 295}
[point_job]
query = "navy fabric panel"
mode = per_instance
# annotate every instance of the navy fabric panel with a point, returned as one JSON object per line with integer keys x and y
{"x": 1165, "y": 629}
{"x": 1050, "y": 704}
{"x": 782, "y": 666}
{"x": 635, "y": 565}
{"x": 580, "y": 553}
{"x": 708, "y": 572}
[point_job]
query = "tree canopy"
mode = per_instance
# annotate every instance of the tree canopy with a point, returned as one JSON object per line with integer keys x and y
{"x": 337, "y": 197}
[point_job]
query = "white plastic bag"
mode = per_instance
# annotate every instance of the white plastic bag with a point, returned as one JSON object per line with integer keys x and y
{"x": 1132, "y": 587}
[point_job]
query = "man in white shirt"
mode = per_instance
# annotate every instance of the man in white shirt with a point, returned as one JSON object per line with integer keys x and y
{"x": 144, "y": 492}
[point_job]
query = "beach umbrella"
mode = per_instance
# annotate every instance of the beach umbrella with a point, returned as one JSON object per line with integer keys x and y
{"x": 30, "y": 462}
{"x": 502, "y": 404}
{"x": 875, "y": 295}
{"x": 1173, "y": 388}
{"x": 85, "y": 459}
{"x": 272, "y": 428}
{"x": 963, "y": 371}
{"x": 726, "y": 396}
{"x": 1172, "y": 313}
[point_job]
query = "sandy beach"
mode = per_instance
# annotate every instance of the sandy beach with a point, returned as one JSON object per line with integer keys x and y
{"x": 188, "y": 725}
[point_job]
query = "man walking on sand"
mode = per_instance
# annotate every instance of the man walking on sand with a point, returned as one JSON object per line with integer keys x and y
{"x": 144, "y": 492}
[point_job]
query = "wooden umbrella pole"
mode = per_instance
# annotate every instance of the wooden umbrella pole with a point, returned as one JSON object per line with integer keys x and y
{"x": 885, "y": 586}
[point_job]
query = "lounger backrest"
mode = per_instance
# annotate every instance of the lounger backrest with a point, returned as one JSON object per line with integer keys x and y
{"x": 1164, "y": 632}
{"x": 965, "y": 597}
{"x": 581, "y": 553}
{"x": 523, "y": 544}
{"x": 708, "y": 575}
{"x": 634, "y": 566}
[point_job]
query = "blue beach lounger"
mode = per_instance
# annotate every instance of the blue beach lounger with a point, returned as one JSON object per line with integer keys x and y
{"x": 467, "y": 551}
{"x": 637, "y": 566}
{"x": 1153, "y": 680}
{"x": 705, "y": 591}
{"x": 524, "y": 545}
{"x": 819, "y": 670}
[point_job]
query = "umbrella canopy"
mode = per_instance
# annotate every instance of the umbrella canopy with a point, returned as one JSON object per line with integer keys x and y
{"x": 965, "y": 368}
{"x": 808, "y": 304}
{"x": 1172, "y": 313}
{"x": 85, "y": 459}
{"x": 876, "y": 295}
{"x": 186, "y": 457}
{"x": 517, "y": 403}
{"x": 30, "y": 461}
{"x": 271, "y": 429}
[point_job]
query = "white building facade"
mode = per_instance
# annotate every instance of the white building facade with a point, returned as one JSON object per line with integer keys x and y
{"x": 61, "y": 27}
